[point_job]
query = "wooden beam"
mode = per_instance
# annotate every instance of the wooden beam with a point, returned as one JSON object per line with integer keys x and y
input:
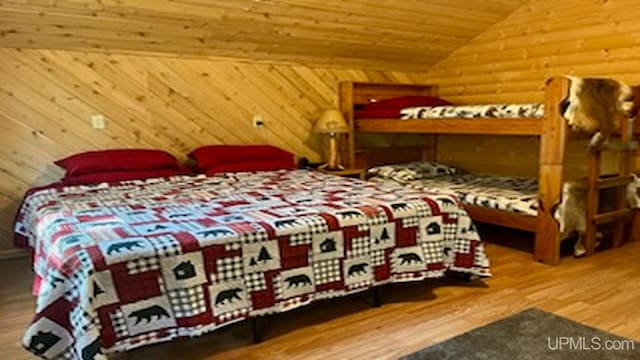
{"x": 346, "y": 101}
{"x": 502, "y": 218}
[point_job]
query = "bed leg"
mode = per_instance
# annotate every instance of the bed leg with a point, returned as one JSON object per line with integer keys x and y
{"x": 376, "y": 296}
{"x": 547, "y": 244}
{"x": 255, "y": 331}
{"x": 466, "y": 278}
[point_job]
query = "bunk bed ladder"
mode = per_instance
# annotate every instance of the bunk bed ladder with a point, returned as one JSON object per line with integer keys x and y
{"x": 620, "y": 214}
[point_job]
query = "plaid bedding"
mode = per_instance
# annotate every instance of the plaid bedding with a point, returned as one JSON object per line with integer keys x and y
{"x": 140, "y": 262}
{"x": 498, "y": 111}
{"x": 513, "y": 194}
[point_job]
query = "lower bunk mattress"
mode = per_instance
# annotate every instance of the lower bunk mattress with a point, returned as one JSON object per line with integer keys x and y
{"x": 123, "y": 265}
{"x": 513, "y": 194}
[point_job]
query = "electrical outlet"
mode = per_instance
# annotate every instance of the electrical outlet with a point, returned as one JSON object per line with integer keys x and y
{"x": 258, "y": 121}
{"x": 98, "y": 121}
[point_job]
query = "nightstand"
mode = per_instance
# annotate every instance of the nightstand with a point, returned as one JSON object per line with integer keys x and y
{"x": 348, "y": 172}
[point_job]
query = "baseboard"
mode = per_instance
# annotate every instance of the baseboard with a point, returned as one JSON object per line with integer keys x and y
{"x": 9, "y": 254}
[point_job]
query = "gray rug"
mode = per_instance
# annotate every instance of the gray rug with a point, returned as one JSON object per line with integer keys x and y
{"x": 532, "y": 335}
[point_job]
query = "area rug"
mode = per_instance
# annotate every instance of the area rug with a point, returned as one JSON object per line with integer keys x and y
{"x": 532, "y": 335}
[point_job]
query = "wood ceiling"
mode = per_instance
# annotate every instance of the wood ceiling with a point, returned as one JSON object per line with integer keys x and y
{"x": 385, "y": 34}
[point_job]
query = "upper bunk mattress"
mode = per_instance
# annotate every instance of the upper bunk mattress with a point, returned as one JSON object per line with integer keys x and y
{"x": 499, "y": 111}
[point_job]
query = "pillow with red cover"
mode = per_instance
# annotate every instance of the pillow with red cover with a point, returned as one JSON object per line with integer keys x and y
{"x": 115, "y": 176}
{"x": 265, "y": 165}
{"x": 117, "y": 160}
{"x": 207, "y": 157}
{"x": 390, "y": 108}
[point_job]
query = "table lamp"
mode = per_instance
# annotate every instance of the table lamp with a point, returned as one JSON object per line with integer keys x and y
{"x": 332, "y": 122}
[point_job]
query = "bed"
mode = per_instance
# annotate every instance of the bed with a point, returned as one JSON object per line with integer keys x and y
{"x": 365, "y": 108}
{"x": 513, "y": 194}
{"x": 118, "y": 266}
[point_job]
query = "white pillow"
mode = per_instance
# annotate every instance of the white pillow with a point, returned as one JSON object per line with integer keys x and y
{"x": 412, "y": 171}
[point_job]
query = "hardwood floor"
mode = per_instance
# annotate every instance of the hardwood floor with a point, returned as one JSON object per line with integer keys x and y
{"x": 602, "y": 291}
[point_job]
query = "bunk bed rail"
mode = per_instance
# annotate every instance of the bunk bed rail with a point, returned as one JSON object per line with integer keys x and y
{"x": 517, "y": 126}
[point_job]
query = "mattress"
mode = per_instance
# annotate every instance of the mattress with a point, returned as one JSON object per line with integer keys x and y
{"x": 501, "y": 111}
{"x": 518, "y": 195}
{"x": 123, "y": 265}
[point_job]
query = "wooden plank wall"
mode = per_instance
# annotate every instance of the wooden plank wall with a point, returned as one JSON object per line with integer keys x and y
{"x": 47, "y": 97}
{"x": 511, "y": 60}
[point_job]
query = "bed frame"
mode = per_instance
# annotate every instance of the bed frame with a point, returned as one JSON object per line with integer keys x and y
{"x": 552, "y": 130}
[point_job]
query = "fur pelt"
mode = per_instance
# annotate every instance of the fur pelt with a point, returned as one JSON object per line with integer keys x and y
{"x": 595, "y": 106}
{"x": 571, "y": 213}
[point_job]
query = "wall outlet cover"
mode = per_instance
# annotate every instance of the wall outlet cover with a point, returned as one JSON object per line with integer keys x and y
{"x": 97, "y": 121}
{"x": 258, "y": 121}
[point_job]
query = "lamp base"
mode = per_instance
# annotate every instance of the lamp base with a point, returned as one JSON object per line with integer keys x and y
{"x": 328, "y": 167}
{"x": 334, "y": 156}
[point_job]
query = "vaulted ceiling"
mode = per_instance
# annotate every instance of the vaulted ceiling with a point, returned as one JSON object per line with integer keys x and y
{"x": 384, "y": 34}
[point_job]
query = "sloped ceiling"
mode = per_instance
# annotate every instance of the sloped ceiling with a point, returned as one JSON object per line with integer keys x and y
{"x": 383, "y": 34}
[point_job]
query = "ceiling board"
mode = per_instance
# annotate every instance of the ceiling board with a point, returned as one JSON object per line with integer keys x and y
{"x": 388, "y": 34}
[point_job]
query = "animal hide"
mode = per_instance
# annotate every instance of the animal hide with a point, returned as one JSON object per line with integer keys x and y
{"x": 595, "y": 106}
{"x": 571, "y": 213}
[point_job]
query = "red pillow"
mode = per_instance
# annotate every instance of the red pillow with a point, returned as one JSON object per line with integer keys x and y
{"x": 381, "y": 113}
{"x": 408, "y": 101}
{"x": 251, "y": 166}
{"x": 390, "y": 108}
{"x": 207, "y": 157}
{"x": 115, "y": 176}
{"x": 116, "y": 160}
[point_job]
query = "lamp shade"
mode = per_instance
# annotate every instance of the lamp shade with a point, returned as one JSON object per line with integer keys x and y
{"x": 331, "y": 121}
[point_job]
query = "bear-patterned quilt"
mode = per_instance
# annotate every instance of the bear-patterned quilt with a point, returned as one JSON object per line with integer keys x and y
{"x": 118, "y": 266}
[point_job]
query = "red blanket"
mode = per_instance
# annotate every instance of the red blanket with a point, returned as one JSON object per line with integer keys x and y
{"x": 124, "y": 265}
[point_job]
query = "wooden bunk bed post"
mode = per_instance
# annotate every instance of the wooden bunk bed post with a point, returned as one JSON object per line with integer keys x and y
{"x": 624, "y": 170}
{"x": 360, "y": 93}
{"x": 551, "y": 167}
{"x": 346, "y": 105}
{"x": 634, "y": 224}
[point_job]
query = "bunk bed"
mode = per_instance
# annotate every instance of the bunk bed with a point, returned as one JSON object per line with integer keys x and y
{"x": 548, "y": 125}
